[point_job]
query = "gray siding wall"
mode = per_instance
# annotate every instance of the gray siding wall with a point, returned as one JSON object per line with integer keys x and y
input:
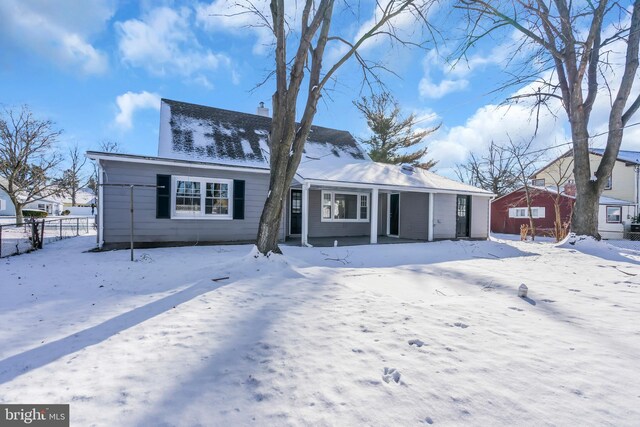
{"x": 414, "y": 216}
{"x": 150, "y": 229}
{"x": 382, "y": 214}
{"x": 317, "y": 228}
{"x": 444, "y": 216}
{"x": 479, "y": 217}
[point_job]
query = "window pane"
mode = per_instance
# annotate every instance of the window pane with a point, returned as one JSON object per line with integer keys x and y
{"x": 614, "y": 214}
{"x": 217, "y": 199}
{"x": 326, "y": 206}
{"x": 345, "y": 206}
{"x": 187, "y": 196}
{"x": 364, "y": 211}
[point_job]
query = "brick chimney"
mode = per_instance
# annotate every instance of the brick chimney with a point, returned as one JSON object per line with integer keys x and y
{"x": 569, "y": 188}
{"x": 262, "y": 110}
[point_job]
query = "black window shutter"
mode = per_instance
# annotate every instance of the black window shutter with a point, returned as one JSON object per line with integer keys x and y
{"x": 238, "y": 199}
{"x": 163, "y": 196}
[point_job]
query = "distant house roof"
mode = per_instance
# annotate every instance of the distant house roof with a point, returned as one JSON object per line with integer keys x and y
{"x": 623, "y": 155}
{"x": 552, "y": 190}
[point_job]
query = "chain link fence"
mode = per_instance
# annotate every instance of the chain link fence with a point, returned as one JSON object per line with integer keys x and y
{"x": 33, "y": 234}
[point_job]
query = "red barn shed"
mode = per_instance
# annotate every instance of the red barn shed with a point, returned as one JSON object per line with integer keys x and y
{"x": 509, "y": 212}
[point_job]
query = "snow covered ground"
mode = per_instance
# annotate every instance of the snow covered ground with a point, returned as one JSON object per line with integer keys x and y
{"x": 403, "y": 334}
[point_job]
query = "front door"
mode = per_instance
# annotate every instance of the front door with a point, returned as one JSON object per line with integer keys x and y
{"x": 463, "y": 211}
{"x": 394, "y": 214}
{"x": 296, "y": 212}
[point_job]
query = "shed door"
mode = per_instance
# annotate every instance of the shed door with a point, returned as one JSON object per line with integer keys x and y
{"x": 463, "y": 214}
{"x": 296, "y": 212}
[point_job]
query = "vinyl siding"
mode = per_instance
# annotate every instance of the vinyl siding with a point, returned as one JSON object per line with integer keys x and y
{"x": 317, "y": 228}
{"x": 479, "y": 217}
{"x": 414, "y": 215}
{"x": 150, "y": 229}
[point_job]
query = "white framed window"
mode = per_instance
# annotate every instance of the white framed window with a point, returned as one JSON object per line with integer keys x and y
{"x": 3, "y": 204}
{"x": 538, "y": 182}
{"x": 536, "y": 212}
{"x": 614, "y": 214}
{"x": 339, "y": 206}
{"x": 201, "y": 198}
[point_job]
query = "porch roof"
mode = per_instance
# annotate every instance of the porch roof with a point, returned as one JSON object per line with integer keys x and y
{"x": 368, "y": 174}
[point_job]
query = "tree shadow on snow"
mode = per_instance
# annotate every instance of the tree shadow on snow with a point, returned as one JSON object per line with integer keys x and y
{"x": 22, "y": 363}
{"x": 396, "y": 255}
{"x": 604, "y": 250}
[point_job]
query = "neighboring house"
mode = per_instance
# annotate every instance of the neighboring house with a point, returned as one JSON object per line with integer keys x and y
{"x": 212, "y": 165}
{"x": 6, "y": 205}
{"x": 623, "y": 184}
{"x": 52, "y": 205}
{"x": 510, "y": 211}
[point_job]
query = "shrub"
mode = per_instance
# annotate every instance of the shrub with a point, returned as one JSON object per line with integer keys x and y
{"x": 66, "y": 212}
{"x": 34, "y": 213}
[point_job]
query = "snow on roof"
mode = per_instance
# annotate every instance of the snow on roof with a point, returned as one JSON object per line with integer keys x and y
{"x": 604, "y": 200}
{"x": 369, "y": 172}
{"x": 623, "y": 155}
{"x": 191, "y": 132}
{"x": 197, "y": 132}
{"x": 611, "y": 201}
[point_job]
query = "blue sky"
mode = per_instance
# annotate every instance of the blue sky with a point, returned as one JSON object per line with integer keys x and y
{"x": 98, "y": 68}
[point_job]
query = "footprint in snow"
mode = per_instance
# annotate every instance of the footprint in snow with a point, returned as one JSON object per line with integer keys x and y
{"x": 548, "y": 300}
{"x": 461, "y": 325}
{"x": 428, "y": 420}
{"x": 390, "y": 374}
{"x": 575, "y": 290}
{"x": 516, "y": 309}
{"x": 416, "y": 342}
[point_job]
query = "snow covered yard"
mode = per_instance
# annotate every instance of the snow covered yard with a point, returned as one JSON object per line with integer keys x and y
{"x": 389, "y": 335}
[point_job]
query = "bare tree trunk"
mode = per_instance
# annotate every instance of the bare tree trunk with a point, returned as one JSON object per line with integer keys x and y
{"x": 585, "y": 212}
{"x": 18, "y": 206}
{"x": 527, "y": 195}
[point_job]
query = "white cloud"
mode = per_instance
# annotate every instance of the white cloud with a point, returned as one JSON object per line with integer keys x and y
{"x": 162, "y": 42}
{"x": 234, "y": 17}
{"x": 52, "y": 31}
{"x": 405, "y": 25}
{"x": 128, "y": 103}
{"x": 495, "y": 123}
{"x": 432, "y": 90}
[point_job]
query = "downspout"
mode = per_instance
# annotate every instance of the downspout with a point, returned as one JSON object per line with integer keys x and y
{"x": 100, "y": 206}
{"x": 636, "y": 168}
{"x": 305, "y": 214}
{"x": 491, "y": 199}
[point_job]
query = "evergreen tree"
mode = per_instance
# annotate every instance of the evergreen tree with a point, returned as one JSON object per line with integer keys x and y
{"x": 393, "y": 136}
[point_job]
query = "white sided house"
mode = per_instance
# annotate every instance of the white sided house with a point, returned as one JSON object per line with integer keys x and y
{"x": 210, "y": 180}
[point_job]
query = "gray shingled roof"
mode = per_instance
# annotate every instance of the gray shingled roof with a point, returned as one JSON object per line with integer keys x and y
{"x": 215, "y": 134}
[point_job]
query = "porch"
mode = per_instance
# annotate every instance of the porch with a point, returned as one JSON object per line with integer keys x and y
{"x": 319, "y": 214}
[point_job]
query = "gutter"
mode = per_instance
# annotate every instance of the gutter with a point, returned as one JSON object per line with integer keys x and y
{"x": 128, "y": 158}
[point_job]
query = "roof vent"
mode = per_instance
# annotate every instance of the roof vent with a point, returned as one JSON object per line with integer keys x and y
{"x": 407, "y": 167}
{"x": 262, "y": 111}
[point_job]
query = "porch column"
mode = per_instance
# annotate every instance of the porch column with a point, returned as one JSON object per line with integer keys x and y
{"x": 374, "y": 216}
{"x": 305, "y": 213}
{"x": 430, "y": 219}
